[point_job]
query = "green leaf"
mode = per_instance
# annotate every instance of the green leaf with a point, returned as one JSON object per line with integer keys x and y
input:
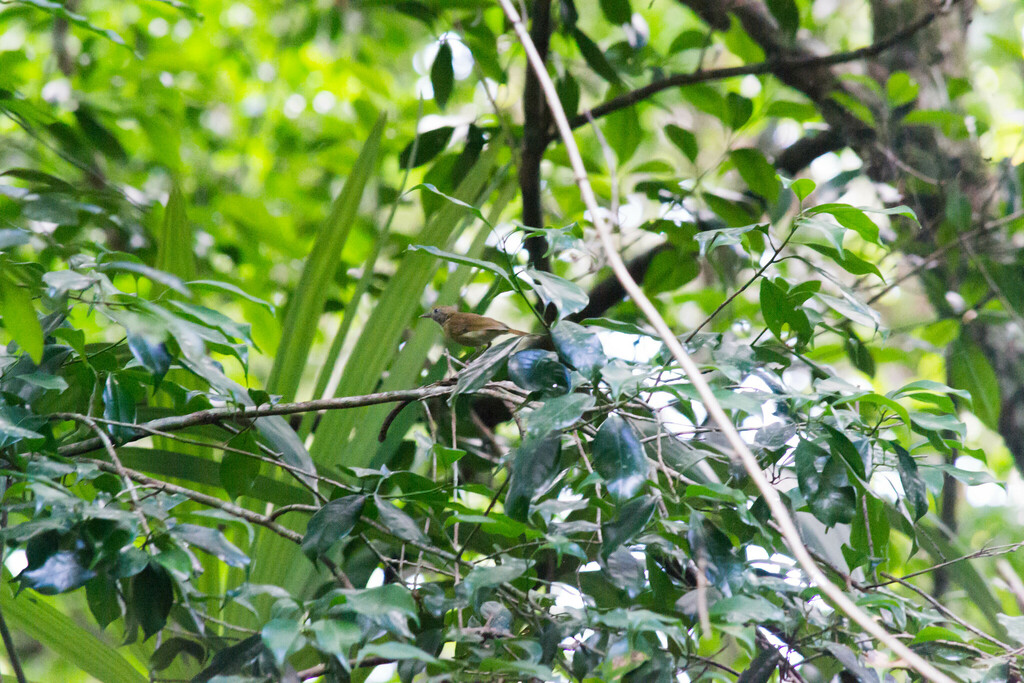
{"x": 619, "y": 457}
{"x": 481, "y": 579}
{"x": 913, "y": 486}
{"x": 282, "y": 637}
{"x": 802, "y": 188}
{"x": 824, "y": 484}
{"x": 788, "y": 16}
{"x": 900, "y": 89}
{"x": 464, "y": 260}
{"x": 971, "y": 371}
{"x": 151, "y": 597}
{"x": 442, "y": 75}
{"x": 617, "y": 11}
{"x": 428, "y": 146}
{"x": 756, "y": 172}
{"x": 484, "y": 367}
{"x": 567, "y": 296}
{"x": 849, "y": 217}
{"x": 739, "y": 109}
{"x": 537, "y": 370}
{"x": 780, "y": 312}
{"x": 158, "y": 276}
{"x": 315, "y": 284}
{"x": 558, "y": 413}
{"x": 201, "y": 285}
{"x": 684, "y": 140}
{"x": 852, "y": 309}
{"x": 395, "y": 651}
{"x": 331, "y": 523}
{"x": 19, "y": 318}
{"x": 211, "y": 541}
{"x": 579, "y": 347}
{"x": 335, "y": 637}
{"x": 36, "y": 618}
{"x": 594, "y": 56}
{"x": 534, "y": 467}
{"x": 152, "y": 354}
{"x": 119, "y": 406}
{"x": 398, "y": 522}
{"x": 630, "y": 519}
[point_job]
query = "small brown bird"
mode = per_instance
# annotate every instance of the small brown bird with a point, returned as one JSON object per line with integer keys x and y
{"x": 469, "y": 329}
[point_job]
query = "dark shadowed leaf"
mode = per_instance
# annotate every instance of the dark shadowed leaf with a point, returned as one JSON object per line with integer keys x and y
{"x": 683, "y": 139}
{"x": 282, "y": 637}
{"x": 539, "y": 370}
{"x": 630, "y": 519}
{"x": 400, "y": 523}
{"x": 442, "y": 75}
{"x": 971, "y": 371}
{"x": 761, "y": 668}
{"x": 534, "y": 467}
{"x": 152, "y": 353}
{"x": 558, "y": 413}
{"x": 824, "y": 484}
{"x": 619, "y": 457}
{"x": 152, "y": 595}
{"x": 594, "y": 56}
{"x": 913, "y": 486}
{"x": 211, "y": 541}
{"x": 331, "y": 523}
{"x": 429, "y": 145}
{"x": 579, "y": 347}
{"x": 485, "y": 366}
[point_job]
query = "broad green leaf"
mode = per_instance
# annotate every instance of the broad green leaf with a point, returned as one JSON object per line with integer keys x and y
{"x": 567, "y": 296}
{"x": 464, "y": 260}
{"x": 558, "y": 413}
{"x": 307, "y": 302}
{"x": 850, "y": 217}
{"x": 788, "y": 16}
{"x": 617, "y": 11}
{"x": 579, "y": 347}
{"x": 428, "y": 145}
{"x": 335, "y": 637}
{"x": 398, "y": 522}
{"x": 684, "y": 140}
{"x": 482, "y": 369}
{"x": 824, "y": 484}
{"x": 19, "y": 318}
{"x": 282, "y": 637}
{"x": 211, "y": 541}
{"x": 971, "y": 371}
{"x": 629, "y": 520}
{"x": 594, "y": 57}
{"x": 37, "y": 618}
{"x": 913, "y": 487}
{"x": 534, "y": 466}
{"x": 756, "y": 172}
{"x": 331, "y": 523}
{"x": 539, "y": 370}
{"x": 150, "y": 599}
{"x": 619, "y": 457}
{"x": 442, "y": 76}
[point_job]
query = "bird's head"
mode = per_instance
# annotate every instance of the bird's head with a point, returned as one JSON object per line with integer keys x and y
{"x": 440, "y": 314}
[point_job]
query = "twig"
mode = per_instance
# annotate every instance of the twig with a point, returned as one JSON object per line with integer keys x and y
{"x": 12, "y": 654}
{"x": 711, "y": 404}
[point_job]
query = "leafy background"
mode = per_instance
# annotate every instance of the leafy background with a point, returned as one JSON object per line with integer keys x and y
{"x": 235, "y": 207}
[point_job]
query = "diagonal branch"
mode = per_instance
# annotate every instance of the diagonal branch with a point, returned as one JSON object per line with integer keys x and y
{"x": 771, "y": 496}
{"x": 784, "y": 66}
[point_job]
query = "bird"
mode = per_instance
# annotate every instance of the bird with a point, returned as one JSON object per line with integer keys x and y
{"x": 469, "y": 329}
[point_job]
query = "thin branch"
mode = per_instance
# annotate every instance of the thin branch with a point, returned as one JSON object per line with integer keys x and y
{"x": 12, "y": 654}
{"x": 226, "y": 414}
{"x": 771, "y": 496}
{"x": 201, "y": 498}
{"x": 937, "y": 604}
{"x": 766, "y": 67}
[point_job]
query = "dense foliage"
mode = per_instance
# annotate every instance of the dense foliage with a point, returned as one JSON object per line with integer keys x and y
{"x": 229, "y": 443}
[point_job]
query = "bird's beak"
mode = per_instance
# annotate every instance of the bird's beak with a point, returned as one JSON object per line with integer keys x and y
{"x": 425, "y": 315}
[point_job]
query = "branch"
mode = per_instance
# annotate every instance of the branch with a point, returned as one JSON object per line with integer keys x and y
{"x": 771, "y": 496}
{"x": 783, "y": 67}
{"x": 216, "y": 415}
